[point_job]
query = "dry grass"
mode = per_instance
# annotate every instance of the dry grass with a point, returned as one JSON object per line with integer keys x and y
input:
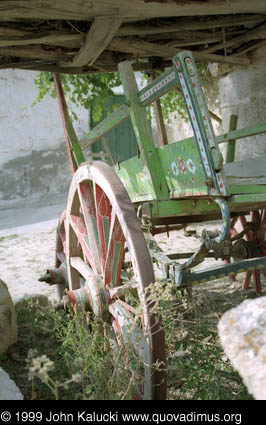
{"x": 197, "y": 368}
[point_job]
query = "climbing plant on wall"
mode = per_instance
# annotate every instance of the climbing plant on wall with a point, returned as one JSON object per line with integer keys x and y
{"x": 94, "y": 90}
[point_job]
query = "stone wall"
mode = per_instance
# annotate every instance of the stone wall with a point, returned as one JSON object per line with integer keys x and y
{"x": 242, "y": 91}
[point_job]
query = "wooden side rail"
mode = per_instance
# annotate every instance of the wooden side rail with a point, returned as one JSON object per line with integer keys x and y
{"x": 241, "y": 134}
{"x": 236, "y": 134}
{"x": 158, "y": 87}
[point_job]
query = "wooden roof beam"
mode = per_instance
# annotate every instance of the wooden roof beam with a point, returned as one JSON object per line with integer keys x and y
{"x": 146, "y": 49}
{"x": 37, "y": 52}
{"x": 101, "y": 32}
{"x": 56, "y": 38}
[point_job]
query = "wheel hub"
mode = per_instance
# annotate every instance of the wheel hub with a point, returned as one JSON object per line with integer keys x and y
{"x": 243, "y": 250}
{"x": 91, "y": 297}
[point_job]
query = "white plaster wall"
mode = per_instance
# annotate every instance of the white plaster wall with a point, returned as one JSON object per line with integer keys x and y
{"x": 243, "y": 92}
{"x": 31, "y": 140}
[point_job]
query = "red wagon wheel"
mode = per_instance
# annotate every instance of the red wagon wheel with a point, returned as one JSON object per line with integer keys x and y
{"x": 250, "y": 243}
{"x": 101, "y": 222}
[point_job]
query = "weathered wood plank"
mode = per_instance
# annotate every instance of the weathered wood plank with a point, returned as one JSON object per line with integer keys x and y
{"x": 101, "y": 32}
{"x": 146, "y": 49}
{"x": 239, "y": 134}
{"x": 14, "y": 10}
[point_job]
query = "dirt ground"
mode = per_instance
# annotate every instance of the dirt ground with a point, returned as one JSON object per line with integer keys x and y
{"x": 27, "y": 248}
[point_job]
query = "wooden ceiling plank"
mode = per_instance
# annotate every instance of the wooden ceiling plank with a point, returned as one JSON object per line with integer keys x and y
{"x": 249, "y": 35}
{"x": 11, "y": 31}
{"x": 101, "y": 32}
{"x": 16, "y": 10}
{"x": 182, "y": 24}
{"x": 248, "y": 48}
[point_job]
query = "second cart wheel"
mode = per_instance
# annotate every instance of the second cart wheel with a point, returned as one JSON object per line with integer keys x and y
{"x": 101, "y": 226}
{"x": 250, "y": 242}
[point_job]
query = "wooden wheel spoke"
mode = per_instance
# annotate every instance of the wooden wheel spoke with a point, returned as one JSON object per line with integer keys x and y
{"x": 130, "y": 331}
{"x": 128, "y": 307}
{"x": 119, "y": 291}
{"x": 61, "y": 241}
{"x": 261, "y": 231}
{"x": 246, "y": 282}
{"x": 256, "y": 277}
{"x": 232, "y": 278}
{"x": 233, "y": 222}
{"x": 80, "y": 230}
{"x": 79, "y": 265}
{"x": 61, "y": 257}
{"x": 87, "y": 204}
{"x": 254, "y": 236}
{"x": 255, "y": 218}
{"x": 103, "y": 217}
{"x": 115, "y": 253}
{"x": 62, "y": 234}
{"x": 245, "y": 226}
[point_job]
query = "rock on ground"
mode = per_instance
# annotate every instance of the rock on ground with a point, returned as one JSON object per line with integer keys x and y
{"x": 242, "y": 332}
{"x": 8, "y": 388}
{"x": 8, "y": 319}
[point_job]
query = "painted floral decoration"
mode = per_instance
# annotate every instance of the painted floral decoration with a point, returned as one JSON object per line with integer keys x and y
{"x": 182, "y": 166}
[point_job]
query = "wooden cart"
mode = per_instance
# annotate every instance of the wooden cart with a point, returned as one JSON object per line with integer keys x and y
{"x": 105, "y": 247}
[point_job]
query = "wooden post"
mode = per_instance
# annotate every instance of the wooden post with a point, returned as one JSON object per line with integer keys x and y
{"x": 231, "y": 147}
{"x": 149, "y": 154}
{"x": 107, "y": 150}
{"x": 162, "y": 135}
{"x": 75, "y": 154}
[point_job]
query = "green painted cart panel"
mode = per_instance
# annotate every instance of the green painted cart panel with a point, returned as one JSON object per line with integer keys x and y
{"x": 182, "y": 167}
{"x": 135, "y": 177}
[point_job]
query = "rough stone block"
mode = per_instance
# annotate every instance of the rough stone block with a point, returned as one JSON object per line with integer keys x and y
{"x": 8, "y": 388}
{"x": 242, "y": 332}
{"x": 8, "y": 319}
